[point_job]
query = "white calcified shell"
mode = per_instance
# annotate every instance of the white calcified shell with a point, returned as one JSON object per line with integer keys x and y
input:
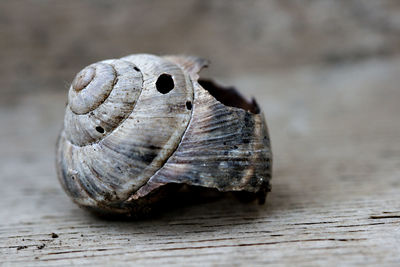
{"x": 124, "y": 137}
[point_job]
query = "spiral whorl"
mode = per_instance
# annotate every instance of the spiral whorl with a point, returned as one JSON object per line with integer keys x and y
{"x": 101, "y": 96}
{"x": 122, "y": 123}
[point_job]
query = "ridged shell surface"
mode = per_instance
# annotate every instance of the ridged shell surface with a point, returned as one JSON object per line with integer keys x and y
{"x": 135, "y": 124}
{"x": 119, "y": 129}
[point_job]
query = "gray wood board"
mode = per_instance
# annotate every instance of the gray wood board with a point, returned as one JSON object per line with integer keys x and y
{"x": 335, "y": 196}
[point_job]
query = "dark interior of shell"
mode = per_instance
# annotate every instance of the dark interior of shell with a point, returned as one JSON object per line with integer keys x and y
{"x": 140, "y": 127}
{"x": 229, "y": 96}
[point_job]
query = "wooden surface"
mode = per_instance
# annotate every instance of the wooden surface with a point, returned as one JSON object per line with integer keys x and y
{"x": 335, "y": 196}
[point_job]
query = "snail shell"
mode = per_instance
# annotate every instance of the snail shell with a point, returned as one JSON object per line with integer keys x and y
{"x": 136, "y": 124}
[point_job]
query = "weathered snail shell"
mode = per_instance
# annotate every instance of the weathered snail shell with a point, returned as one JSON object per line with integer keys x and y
{"x": 136, "y": 124}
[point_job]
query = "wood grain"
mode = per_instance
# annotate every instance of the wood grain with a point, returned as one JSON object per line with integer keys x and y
{"x": 335, "y": 198}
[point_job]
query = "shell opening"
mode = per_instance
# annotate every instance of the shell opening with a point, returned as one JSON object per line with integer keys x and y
{"x": 229, "y": 96}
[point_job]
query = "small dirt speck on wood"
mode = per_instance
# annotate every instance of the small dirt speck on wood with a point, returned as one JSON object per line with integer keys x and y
{"x": 41, "y": 246}
{"x": 21, "y": 247}
{"x": 54, "y": 235}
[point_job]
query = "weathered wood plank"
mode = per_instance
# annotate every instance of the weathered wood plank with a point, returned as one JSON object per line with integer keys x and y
{"x": 335, "y": 199}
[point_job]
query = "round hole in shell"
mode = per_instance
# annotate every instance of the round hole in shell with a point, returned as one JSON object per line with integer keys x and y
{"x": 165, "y": 83}
{"x": 100, "y": 129}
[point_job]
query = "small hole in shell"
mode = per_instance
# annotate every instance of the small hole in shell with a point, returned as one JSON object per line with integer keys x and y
{"x": 189, "y": 105}
{"x": 165, "y": 83}
{"x": 100, "y": 129}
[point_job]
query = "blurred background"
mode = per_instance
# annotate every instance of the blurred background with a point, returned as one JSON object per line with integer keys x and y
{"x": 326, "y": 74}
{"x": 44, "y": 43}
